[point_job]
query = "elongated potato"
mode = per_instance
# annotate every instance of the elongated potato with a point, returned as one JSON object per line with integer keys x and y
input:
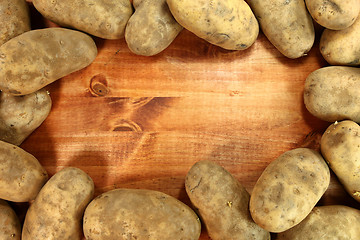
{"x": 102, "y": 18}
{"x": 229, "y": 24}
{"x": 287, "y": 24}
{"x": 222, "y": 202}
{"x": 288, "y": 189}
{"x": 340, "y": 146}
{"x": 333, "y": 93}
{"x": 58, "y": 209}
{"x": 10, "y": 228}
{"x": 123, "y": 214}
{"x": 36, "y": 58}
{"x": 21, "y": 175}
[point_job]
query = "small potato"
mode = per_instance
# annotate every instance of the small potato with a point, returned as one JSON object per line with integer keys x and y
{"x": 123, "y": 214}
{"x": 222, "y": 202}
{"x": 229, "y": 24}
{"x": 58, "y": 209}
{"x": 327, "y": 222}
{"x": 288, "y": 189}
{"x": 151, "y": 28}
{"x": 21, "y": 115}
{"x": 37, "y": 58}
{"x": 10, "y": 228}
{"x": 102, "y": 18}
{"x": 333, "y": 93}
{"x": 21, "y": 175}
{"x": 340, "y": 146}
{"x": 342, "y": 47}
{"x": 287, "y": 24}
{"x": 14, "y": 18}
{"x": 334, "y": 14}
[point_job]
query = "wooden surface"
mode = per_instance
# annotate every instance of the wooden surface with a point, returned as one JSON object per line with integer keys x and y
{"x": 142, "y": 122}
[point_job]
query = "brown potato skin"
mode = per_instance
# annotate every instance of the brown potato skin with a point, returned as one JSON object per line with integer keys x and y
{"x": 10, "y": 228}
{"x": 222, "y": 202}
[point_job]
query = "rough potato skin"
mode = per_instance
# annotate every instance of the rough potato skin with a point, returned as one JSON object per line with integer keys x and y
{"x": 152, "y": 28}
{"x": 10, "y": 228}
{"x": 222, "y": 203}
{"x": 288, "y": 189}
{"x": 102, "y": 18}
{"x": 333, "y": 222}
{"x": 287, "y": 24}
{"x": 342, "y": 47}
{"x": 123, "y": 214}
{"x": 333, "y": 93}
{"x": 340, "y": 146}
{"x": 21, "y": 175}
{"x": 14, "y": 18}
{"x": 36, "y": 58}
{"x": 21, "y": 115}
{"x": 58, "y": 209}
{"x": 229, "y": 24}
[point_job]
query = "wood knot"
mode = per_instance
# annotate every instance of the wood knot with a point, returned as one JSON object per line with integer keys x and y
{"x": 99, "y": 86}
{"x": 127, "y": 125}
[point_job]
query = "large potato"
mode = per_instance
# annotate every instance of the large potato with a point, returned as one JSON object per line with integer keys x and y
{"x": 333, "y": 93}
{"x": 123, "y": 214}
{"x": 58, "y": 209}
{"x": 327, "y": 222}
{"x": 229, "y": 24}
{"x": 288, "y": 189}
{"x": 287, "y": 24}
{"x": 21, "y": 175}
{"x": 10, "y": 228}
{"x": 102, "y": 18}
{"x": 222, "y": 202}
{"x": 21, "y": 115}
{"x": 36, "y": 58}
{"x": 340, "y": 146}
{"x": 14, "y": 18}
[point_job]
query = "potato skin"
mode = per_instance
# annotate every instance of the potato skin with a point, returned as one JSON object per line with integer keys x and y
{"x": 139, "y": 214}
{"x": 340, "y": 146}
{"x": 326, "y": 222}
{"x": 14, "y": 18}
{"x": 21, "y": 175}
{"x": 287, "y": 24}
{"x": 229, "y": 24}
{"x": 10, "y": 228}
{"x": 333, "y": 93}
{"x": 36, "y": 58}
{"x": 102, "y": 18}
{"x": 222, "y": 202}
{"x": 58, "y": 209}
{"x": 288, "y": 189}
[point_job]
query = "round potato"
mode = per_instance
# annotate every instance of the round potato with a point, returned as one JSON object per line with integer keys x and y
{"x": 288, "y": 189}
{"x": 10, "y": 228}
{"x": 124, "y": 214}
{"x": 36, "y": 58}
{"x": 58, "y": 209}
{"x": 222, "y": 202}
{"x": 229, "y": 24}
{"x": 21, "y": 175}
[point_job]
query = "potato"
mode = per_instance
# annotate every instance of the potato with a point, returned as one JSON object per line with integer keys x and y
{"x": 229, "y": 24}
{"x": 10, "y": 228}
{"x": 36, "y": 58}
{"x": 287, "y": 24}
{"x": 14, "y": 18}
{"x": 151, "y": 28}
{"x": 21, "y": 175}
{"x": 58, "y": 209}
{"x": 139, "y": 214}
{"x": 342, "y": 47}
{"x": 21, "y": 115}
{"x": 340, "y": 146}
{"x": 326, "y": 222}
{"x": 222, "y": 202}
{"x": 333, "y": 93}
{"x": 288, "y": 189}
{"x": 102, "y": 18}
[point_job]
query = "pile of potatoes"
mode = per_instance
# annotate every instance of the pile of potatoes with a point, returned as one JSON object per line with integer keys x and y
{"x": 285, "y": 196}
